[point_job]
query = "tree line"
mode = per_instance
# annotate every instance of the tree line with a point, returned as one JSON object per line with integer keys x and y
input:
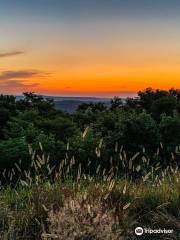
{"x": 148, "y": 124}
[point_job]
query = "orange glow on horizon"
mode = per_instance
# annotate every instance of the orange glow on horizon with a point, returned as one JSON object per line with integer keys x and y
{"x": 100, "y": 83}
{"x": 108, "y": 82}
{"x": 79, "y": 75}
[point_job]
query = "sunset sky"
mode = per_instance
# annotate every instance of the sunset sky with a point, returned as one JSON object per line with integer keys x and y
{"x": 89, "y": 47}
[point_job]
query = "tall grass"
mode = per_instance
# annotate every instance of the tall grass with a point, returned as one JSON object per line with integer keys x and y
{"x": 65, "y": 202}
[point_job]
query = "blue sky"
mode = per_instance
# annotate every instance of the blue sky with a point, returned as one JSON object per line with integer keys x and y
{"x": 77, "y": 8}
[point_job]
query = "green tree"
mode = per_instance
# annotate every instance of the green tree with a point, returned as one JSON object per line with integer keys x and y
{"x": 116, "y": 102}
{"x": 45, "y": 106}
{"x": 169, "y": 128}
{"x": 162, "y": 105}
{"x": 135, "y": 131}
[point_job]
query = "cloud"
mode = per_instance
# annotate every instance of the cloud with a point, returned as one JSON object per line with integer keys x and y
{"x": 6, "y": 75}
{"x": 17, "y": 84}
{"x": 19, "y": 79}
{"x": 10, "y": 54}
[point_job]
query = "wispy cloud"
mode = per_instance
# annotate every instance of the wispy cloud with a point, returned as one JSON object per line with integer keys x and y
{"x": 19, "y": 79}
{"x": 10, "y": 54}
{"x": 17, "y": 84}
{"x": 7, "y": 75}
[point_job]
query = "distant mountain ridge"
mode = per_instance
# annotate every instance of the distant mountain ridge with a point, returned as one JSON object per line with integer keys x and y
{"x": 70, "y": 104}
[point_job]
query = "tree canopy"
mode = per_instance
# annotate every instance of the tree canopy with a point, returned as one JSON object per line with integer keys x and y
{"x": 140, "y": 124}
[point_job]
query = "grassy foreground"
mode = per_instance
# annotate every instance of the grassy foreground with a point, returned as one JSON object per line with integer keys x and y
{"x": 88, "y": 209}
{"x": 65, "y": 203}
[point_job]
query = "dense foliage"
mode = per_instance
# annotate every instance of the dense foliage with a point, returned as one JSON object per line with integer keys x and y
{"x": 145, "y": 124}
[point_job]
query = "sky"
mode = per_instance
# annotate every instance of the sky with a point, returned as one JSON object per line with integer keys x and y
{"x": 98, "y": 48}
